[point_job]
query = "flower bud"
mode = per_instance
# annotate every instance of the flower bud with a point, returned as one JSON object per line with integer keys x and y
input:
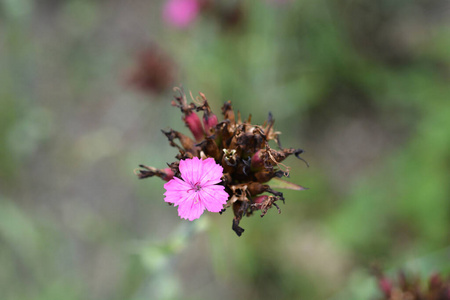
{"x": 193, "y": 122}
{"x": 385, "y": 286}
{"x": 260, "y": 199}
{"x": 165, "y": 174}
{"x": 263, "y": 203}
{"x": 257, "y": 160}
{"x": 209, "y": 122}
{"x": 435, "y": 281}
{"x": 209, "y": 119}
{"x": 168, "y": 174}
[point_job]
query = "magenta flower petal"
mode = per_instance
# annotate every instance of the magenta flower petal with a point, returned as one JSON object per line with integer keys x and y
{"x": 175, "y": 188}
{"x": 217, "y": 193}
{"x": 198, "y": 189}
{"x": 191, "y": 210}
{"x": 211, "y": 173}
{"x": 181, "y": 13}
{"x": 190, "y": 170}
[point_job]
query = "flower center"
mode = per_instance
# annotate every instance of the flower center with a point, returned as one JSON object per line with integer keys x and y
{"x": 197, "y": 187}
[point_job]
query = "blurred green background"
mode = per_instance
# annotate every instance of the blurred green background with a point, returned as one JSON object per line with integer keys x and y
{"x": 363, "y": 86}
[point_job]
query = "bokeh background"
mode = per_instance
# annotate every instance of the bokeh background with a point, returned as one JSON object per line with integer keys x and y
{"x": 363, "y": 86}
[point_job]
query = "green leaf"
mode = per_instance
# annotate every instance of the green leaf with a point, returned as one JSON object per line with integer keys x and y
{"x": 283, "y": 184}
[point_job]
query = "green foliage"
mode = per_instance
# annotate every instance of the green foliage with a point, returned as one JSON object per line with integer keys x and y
{"x": 362, "y": 86}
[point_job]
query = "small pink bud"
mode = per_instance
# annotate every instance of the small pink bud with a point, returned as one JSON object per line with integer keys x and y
{"x": 209, "y": 122}
{"x": 385, "y": 286}
{"x": 193, "y": 122}
{"x": 263, "y": 203}
{"x": 146, "y": 171}
{"x": 257, "y": 162}
{"x": 260, "y": 199}
{"x": 168, "y": 174}
{"x": 436, "y": 284}
{"x": 209, "y": 119}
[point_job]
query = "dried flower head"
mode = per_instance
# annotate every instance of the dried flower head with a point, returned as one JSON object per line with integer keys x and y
{"x": 154, "y": 71}
{"x": 411, "y": 287}
{"x": 230, "y": 164}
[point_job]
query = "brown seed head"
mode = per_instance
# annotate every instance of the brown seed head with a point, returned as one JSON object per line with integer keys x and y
{"x": 243, "y": 151}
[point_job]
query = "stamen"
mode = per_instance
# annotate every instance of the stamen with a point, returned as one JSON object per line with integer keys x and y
{"x": 195, "y": 187}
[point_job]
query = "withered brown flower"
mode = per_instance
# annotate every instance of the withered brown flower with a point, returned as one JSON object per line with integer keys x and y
{"x": 411, "y": 287}
{"x": 154, "y": 71}
{"x": 241, "y": 148}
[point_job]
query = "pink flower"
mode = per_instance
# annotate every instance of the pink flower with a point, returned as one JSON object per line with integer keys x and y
{"x": 181, "y": 13}
{"x": 198, "y": 190}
